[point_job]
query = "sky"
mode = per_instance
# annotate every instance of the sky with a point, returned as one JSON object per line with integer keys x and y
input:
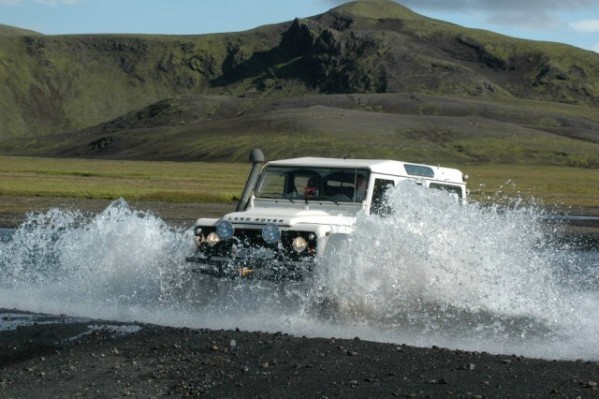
{"x": 574, "y": 22}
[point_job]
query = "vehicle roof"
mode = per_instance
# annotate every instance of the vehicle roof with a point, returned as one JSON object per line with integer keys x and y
{"x": 382, "y": 166}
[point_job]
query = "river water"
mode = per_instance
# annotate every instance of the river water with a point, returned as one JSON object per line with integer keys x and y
{"x": 433, "y": 272}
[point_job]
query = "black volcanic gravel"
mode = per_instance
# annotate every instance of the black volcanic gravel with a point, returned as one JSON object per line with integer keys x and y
{"x": 70, "y": 360}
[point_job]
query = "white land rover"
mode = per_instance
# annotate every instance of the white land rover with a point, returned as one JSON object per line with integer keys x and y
{"x": 291, "y": 209}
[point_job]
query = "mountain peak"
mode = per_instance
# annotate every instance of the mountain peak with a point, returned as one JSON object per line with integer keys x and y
{"x": 378, "y": 9}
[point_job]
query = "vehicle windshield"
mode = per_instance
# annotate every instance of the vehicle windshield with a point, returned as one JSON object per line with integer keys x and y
{"x": 323, "y": 184}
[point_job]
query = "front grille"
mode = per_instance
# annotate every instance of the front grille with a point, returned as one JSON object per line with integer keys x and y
{"x": 250, "y": 241}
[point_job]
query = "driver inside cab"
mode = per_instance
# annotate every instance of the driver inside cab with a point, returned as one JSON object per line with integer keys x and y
{"x": 312, "y": 189}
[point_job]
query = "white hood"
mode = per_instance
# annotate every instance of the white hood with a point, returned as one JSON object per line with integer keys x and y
{"x": 290, "y": 217}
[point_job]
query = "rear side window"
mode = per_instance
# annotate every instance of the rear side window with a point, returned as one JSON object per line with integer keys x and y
{"x": 453, "y": 190}
{"x": 419, "y": 170}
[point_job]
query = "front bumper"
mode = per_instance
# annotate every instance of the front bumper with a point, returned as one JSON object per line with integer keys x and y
{"x": 262, "y": 268}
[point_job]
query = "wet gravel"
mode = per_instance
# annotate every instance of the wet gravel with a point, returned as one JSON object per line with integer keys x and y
{"x": 98, "y": 359}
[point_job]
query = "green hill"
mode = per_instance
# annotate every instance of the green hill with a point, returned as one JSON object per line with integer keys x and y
{"x": 6, "y": 30}
{"x": 368, "y": 78}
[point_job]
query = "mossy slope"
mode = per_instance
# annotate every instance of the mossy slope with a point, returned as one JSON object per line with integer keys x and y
{"x": 370, "y": 78}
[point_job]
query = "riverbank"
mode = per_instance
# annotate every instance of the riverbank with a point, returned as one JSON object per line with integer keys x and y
{"x": 13, "y": 209}
{"x": 93, "y": 358}
{"x": 582, "y": 227}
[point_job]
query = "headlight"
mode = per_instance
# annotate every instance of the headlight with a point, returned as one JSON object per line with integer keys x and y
{"x": 212, "y": 239}
{"x": 225, "y": 229}
{"x": 197, "y": 231}
{"x": 299, "y": 244}
{"x": 271, "y": 233}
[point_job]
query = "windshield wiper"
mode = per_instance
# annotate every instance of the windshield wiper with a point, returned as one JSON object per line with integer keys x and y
{"x": 317, "y": 199}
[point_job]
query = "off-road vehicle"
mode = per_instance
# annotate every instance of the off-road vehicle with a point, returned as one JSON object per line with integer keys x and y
{"x": 291, "y": 209}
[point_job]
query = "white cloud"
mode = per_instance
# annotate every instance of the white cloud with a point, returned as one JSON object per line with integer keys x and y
{"x": 524, "y": 14}
{"x": 504, "y": 5}
{"x": 493, "y": 5}
{"x": 586, "y": 25}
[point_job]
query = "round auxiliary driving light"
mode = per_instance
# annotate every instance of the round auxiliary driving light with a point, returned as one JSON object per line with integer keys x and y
{"x": 225, "y": 229}
{"x": 212, "y": 239}
{"x": 271, "y": 233}
{"x": 197, "y": 231}
{"x": 299, "y": 244}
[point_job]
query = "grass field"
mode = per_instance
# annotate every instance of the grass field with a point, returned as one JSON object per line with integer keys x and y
{"x": 181, "y": 182}
{"x": 549, "y": 185}
{"x": 133, "y": 180}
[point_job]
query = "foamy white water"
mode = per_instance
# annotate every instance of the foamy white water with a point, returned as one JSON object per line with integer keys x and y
{"x": 432, "y": 273}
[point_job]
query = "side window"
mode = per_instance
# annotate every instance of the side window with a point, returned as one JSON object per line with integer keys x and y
{"x": 452, "y": 190}
{"x": 378, "y": 206}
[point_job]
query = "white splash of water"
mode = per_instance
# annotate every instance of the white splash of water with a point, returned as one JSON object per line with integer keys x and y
{"x": 129, "y": 265}
{"x": 60, "y": 261}
{"x": 438, "y": 272}
{"x": 431, "y": 273}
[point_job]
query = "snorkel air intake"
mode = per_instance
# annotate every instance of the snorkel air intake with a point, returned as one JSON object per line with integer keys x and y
{"x": 257, "y": 159}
